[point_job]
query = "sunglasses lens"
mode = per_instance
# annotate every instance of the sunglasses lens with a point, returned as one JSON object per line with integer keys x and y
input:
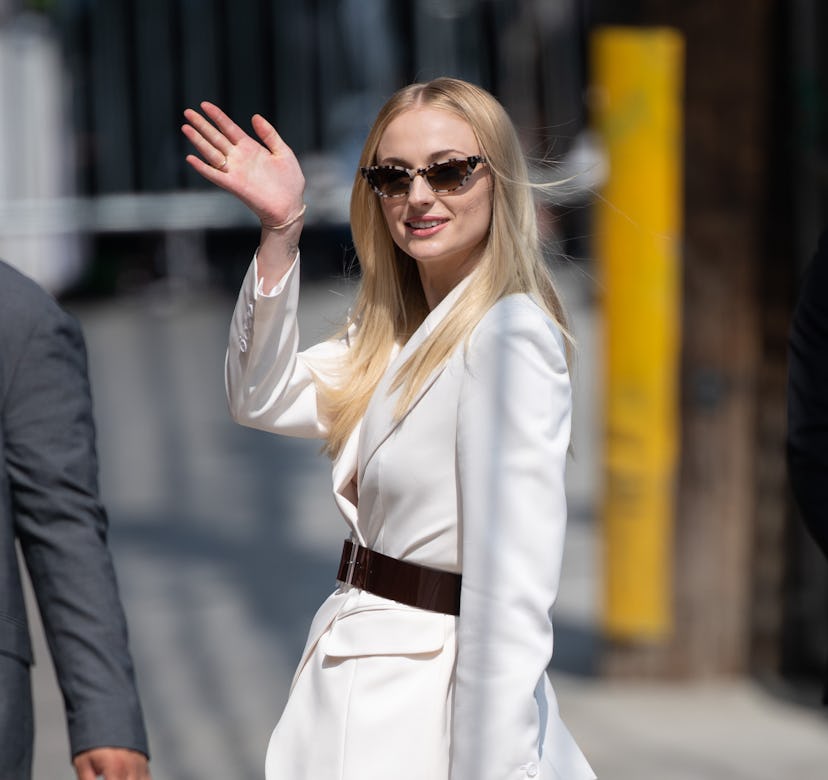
{"x": 447, "y": 176}
{"x": 389, "y": 182}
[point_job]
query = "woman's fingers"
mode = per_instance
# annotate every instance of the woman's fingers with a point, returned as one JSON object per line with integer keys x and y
{"x": 208, "y": 131}
{"x": 268, "y": 135}
{"x": 210, "y": 172}
{"x": 212, "y": 154}
{"x": 230, "y": 130}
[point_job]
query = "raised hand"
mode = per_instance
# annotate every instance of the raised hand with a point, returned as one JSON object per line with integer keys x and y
{"x": 265, "y": 176}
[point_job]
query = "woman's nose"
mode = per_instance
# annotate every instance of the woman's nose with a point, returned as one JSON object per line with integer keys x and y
{"x": 419, "y": 191}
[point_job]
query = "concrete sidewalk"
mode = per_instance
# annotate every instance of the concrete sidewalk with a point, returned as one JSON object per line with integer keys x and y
{"x": 726, "y": 730}
{"x": 226, "y": 541}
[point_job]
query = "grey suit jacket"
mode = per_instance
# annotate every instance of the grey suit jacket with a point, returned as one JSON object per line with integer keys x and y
{"x": 49, "y": 503}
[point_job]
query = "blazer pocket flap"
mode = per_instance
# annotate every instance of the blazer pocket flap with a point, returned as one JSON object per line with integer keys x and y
{"x": 14, "y": 639}
{"x": 386, "y": 632}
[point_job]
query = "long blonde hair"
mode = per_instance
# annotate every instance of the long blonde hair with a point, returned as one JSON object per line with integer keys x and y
{"x": 390, "y": 303}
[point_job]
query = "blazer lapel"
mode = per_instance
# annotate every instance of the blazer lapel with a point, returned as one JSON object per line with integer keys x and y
{"x": 379, "y": 421}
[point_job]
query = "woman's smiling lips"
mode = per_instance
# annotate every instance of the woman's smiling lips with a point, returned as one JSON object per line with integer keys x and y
{"x": 423, "y": 227}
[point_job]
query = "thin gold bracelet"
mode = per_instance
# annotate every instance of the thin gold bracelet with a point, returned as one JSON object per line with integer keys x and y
{"x": 289, "y": 222}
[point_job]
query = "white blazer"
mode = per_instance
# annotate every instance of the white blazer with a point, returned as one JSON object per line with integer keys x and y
{"x": 470, "y": 480}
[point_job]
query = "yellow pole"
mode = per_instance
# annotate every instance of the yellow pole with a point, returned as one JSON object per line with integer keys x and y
{"x": 637, "y": 80}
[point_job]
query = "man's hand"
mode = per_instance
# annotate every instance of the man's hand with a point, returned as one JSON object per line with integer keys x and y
{"x": 111, "y": 764}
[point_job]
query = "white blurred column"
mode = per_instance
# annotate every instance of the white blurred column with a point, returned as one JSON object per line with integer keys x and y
{"x": 36, "y": 152}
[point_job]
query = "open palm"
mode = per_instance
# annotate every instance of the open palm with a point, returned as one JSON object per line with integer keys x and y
{"x": 265, "y": 176}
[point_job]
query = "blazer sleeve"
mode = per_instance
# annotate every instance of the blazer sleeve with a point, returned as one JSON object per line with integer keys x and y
{"x": 807, "y": 438}
{"x": 513, "y": 437}
{"x": 62, "y": 528}
{"x": 270, "y": 385}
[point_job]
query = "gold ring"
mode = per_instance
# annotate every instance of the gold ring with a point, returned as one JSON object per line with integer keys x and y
{"x": 223, "y": 166}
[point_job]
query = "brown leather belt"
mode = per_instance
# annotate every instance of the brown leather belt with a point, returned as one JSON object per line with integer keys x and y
{"x": 391, "y": 578}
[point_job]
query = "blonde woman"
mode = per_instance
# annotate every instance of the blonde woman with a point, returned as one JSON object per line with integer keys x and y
{"x": 444, "y": 405}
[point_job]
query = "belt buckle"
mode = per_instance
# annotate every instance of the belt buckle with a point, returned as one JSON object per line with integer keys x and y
{"x": 349, "y": 574}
